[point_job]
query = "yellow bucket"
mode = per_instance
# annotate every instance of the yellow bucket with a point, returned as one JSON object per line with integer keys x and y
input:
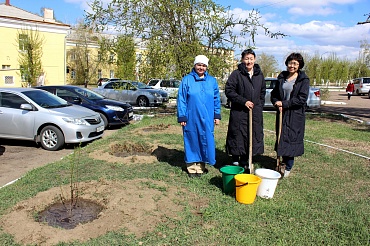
{"x": 246, "y": 186}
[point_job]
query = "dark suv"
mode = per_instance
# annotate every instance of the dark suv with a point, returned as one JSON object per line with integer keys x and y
{"x": 112, "y": 112}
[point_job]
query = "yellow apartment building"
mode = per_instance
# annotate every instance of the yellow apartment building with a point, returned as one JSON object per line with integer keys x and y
{"x": 87, "y": 46}
{"x": 12, "y": 21}
{"x": 60, "y": 48}
{"x": 82, "y": 53}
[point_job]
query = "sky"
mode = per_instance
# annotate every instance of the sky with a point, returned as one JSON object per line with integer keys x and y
{"x": 322, "y": 27}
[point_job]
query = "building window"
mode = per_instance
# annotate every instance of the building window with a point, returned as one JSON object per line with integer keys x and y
{"x": 99, "y": 57}
{"x": 111, "y": 57}
{"x": 99, "y": 73}
{"x": 8, "y": 80}
{"x": 73, "y": 74}
{"x": 73, "y": 55}
{"x": 111, "y": 74}
{"x": 23, "y": 39}
{"x": 5, "y": 67}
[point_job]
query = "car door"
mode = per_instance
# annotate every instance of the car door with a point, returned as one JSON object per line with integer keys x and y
{"x": 132, "y": 93}
{"x": 15, "y": 122}
{"x": 111, "y": 91}
{"x": 165, "y": 85}
{"x": 270, "y": 84}
{"x": 173, "y": 88}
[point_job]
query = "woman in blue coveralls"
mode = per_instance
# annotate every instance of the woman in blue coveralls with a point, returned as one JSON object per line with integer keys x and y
{"x": 198, "y": 110}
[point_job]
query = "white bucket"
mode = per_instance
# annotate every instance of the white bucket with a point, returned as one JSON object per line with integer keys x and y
{"x": 269, "y": 182}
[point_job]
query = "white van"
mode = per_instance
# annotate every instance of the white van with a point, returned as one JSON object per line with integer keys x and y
{"x": 362, "y": 85}
{"x": 171, "y": 86}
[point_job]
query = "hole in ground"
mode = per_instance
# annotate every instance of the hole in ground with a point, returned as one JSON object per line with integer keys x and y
{"x": 68, "y": 216}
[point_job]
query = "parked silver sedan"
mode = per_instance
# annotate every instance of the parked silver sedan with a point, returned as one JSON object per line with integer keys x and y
{"x": 133, "y": 92}
{"x": 37, "y": 115}
{"x": 313, "y": 102}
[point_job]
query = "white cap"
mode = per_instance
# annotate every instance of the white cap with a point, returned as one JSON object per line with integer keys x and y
{"x": 201, "y": 59}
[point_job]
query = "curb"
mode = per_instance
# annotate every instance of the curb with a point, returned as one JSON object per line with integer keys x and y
{"x": 332, "y": 103}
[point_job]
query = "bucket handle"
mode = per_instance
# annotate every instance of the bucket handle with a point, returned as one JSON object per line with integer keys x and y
{"x": 241, "y": 185}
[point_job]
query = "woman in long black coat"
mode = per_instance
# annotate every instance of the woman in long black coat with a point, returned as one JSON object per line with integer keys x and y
{"x": 290, "y": 98}
{"x": 245, "y": 89}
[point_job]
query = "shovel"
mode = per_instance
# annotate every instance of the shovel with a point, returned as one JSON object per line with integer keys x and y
{"x": 250, "y": 164}
{"x": 279, "y": 165}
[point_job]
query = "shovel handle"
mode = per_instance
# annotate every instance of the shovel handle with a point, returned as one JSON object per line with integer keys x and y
{"x": 279, "y": 136}
{"x": 251, "y": 167}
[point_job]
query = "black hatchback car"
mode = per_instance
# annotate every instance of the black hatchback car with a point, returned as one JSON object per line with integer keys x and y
{"x": 112, "y": 112}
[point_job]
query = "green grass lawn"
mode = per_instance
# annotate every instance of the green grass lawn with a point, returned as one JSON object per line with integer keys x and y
{"x": 325, "y": 201}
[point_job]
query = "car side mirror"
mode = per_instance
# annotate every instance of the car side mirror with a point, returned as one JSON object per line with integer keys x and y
{"x": 26, "y": 106}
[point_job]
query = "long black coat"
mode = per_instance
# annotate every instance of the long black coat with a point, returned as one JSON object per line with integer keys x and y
{"x": 239, "y": 89}
{"x": 294, "y": 117}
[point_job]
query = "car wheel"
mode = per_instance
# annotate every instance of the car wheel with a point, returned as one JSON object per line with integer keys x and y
{"x": 368, "y": 95}
{"x": 51, "y": 138}
{"x": 357, "y": 92}
{"x": 105, "y": 120}
{"x": 142, "y": 101}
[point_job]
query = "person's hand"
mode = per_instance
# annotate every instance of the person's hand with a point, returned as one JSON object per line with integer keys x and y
{"x": 183, "y": 123}
{"x": 249, "y": 104}
{"x": 279, "y": 104}
{"x": 217, "y": 121}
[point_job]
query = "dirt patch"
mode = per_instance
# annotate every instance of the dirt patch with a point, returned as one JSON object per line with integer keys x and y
{"x": 165, "y": 128}
{"x": 125, "y": 153}
{"x": 121, "y": 211}
{"x": 352, "y": 146}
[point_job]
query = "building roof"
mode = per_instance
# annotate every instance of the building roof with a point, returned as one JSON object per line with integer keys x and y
{"x": 14, "y": 13}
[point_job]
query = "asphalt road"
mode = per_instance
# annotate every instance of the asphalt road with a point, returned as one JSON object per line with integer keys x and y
{"x": 358, "y": 107}
{"x": 19, "y": 157}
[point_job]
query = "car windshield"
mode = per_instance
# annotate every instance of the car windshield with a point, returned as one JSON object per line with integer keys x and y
{"x": 140, "y": 85}
{"x": 153, "y": 82}
{"x": 88, "y": 94}
{"x": 45, "y": 99}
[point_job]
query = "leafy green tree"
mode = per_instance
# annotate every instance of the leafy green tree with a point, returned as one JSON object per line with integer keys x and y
{"x": 157, "y": 62}
{"x": 85, "y": 59}
{"x": 333, "y": 69}
{"x": 124, "y": 49}
{"x": 179, "y": 30}
{"x": 268, "y": 64}
{"x": 30, "y": 44}
{"x": 313, "y": 69}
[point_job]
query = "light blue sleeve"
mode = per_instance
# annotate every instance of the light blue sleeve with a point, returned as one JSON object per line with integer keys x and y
{"x": 217, "y": 101}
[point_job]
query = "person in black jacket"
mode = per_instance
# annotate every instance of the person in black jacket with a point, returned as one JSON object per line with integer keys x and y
{"x": 245, "y": 89}
{"x": 290, "y": 98}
